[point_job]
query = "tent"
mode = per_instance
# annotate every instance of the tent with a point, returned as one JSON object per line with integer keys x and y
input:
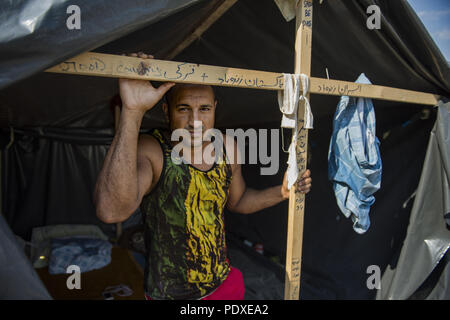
{"x": 56, "y": 128}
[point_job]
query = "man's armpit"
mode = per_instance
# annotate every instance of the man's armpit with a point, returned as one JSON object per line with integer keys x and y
{"x": 149, "y": 162}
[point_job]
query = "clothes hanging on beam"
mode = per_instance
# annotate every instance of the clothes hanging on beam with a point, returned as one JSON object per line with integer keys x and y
{"x": 354, "y": 162}
{"x": 288, "y": 101}
{"x": 288, "y": 8}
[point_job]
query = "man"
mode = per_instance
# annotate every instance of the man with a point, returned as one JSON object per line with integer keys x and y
{"x": 182, "y": 204}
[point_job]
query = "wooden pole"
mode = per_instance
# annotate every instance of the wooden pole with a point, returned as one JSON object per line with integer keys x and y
{"x": 218, "y": 12}
{"x": 116, "y": 66}
{"x": 303, "y": 45}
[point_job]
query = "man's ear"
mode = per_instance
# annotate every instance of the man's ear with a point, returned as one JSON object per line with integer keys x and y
{"x": 165, "y": 108}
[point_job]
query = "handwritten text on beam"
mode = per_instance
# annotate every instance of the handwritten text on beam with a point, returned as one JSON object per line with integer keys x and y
{"x": 107, "y": 65}
{"x": 160, "y": 70}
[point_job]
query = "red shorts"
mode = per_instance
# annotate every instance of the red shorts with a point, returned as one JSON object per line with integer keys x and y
{"x": 231, "y": 289}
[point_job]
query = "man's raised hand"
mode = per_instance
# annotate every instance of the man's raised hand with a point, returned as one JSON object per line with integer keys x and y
{"x": 139, "y": 95}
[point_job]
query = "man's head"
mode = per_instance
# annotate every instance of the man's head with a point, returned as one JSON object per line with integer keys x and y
{"x": 190, "y": 106}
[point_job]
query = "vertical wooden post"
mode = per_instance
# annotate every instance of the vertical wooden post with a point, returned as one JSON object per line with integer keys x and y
{"x": 303, "y": 45}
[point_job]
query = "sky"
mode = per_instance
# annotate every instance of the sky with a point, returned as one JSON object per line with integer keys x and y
{"x": 435, "y": 15}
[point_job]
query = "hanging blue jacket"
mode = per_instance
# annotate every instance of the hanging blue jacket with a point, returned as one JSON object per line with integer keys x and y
{"x": 354, "y": 162}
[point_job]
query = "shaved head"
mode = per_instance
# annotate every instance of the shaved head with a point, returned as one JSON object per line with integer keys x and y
{"x": 172, "y": 93}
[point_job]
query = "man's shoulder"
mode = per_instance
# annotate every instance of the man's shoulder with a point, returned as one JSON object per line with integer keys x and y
{"x": 154, "y": 135}
{"x": 151, "y": 140}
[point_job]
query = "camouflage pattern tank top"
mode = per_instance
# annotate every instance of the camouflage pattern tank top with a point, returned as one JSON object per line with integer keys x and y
{"x": 184, "y": 228}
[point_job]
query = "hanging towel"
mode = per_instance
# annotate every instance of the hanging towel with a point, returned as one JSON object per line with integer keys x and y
{"x": 288, "y": 100}
{"x": 354, "y": 162}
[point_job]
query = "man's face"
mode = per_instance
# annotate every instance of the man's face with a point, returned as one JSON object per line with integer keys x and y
{"x": 191, "y": 107}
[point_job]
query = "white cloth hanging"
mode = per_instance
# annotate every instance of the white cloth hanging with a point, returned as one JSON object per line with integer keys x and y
{"x": 288, "y": 100}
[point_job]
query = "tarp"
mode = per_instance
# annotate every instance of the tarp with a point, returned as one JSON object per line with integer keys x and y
{"x": 35, "y": 33}
{"x": 63, "y": 124}
{"x": 18, "y": 278}
{"x": 428, "y": 235}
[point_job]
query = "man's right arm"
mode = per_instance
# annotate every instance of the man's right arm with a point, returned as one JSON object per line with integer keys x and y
{"x": 127, "y": 170}
{"x": 124, "y": 176}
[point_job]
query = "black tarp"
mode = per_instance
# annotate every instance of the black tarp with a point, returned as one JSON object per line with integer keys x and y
{"x": 63, "y": 124}
{"x": 35, "y": 33}
{"x": 17, "y": 276}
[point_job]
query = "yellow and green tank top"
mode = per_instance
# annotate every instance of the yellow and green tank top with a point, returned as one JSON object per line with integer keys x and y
{"x": 184, "y": 228}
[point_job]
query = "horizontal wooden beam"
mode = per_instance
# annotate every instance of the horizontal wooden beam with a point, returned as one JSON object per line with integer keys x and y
{"x": 345, "y": 88}
{"x": 116, "y": 66}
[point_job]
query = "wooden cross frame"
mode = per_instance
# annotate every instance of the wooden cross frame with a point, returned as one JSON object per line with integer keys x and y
{"x": 303, "y": 46}
{"x": 106, "y": 65}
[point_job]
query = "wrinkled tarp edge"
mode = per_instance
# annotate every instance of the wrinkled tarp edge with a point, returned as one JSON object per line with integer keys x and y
{"x": 36, "y": 22}
{"x": 428, "y": 237}
{"x": 17, "y": 277}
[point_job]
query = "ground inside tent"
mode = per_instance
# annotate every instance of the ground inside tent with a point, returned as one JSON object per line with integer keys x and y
{"x": 263, "y": 278}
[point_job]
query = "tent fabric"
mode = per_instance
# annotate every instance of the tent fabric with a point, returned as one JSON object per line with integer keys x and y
{"x": 18, "y": 278}
{"x": 391, "y": 56}
{"x": 61, "y": 103}
{"x": 441, "y": 291}
{"x": 63, "y": 125}
{"x": 428, "y": 237}
{"x": 49, "y": 178}
{"x": 35, "y": 34}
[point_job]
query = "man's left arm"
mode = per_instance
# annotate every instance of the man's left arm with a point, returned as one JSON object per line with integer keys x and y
{"x": 246, "y": 200}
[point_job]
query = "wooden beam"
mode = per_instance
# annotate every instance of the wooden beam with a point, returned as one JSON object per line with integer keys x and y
{"x": 220, "y": 10}
{"x": 345, "y": 88}
{"x": 116, "y": 66}
{"x": 303, "y": 46}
